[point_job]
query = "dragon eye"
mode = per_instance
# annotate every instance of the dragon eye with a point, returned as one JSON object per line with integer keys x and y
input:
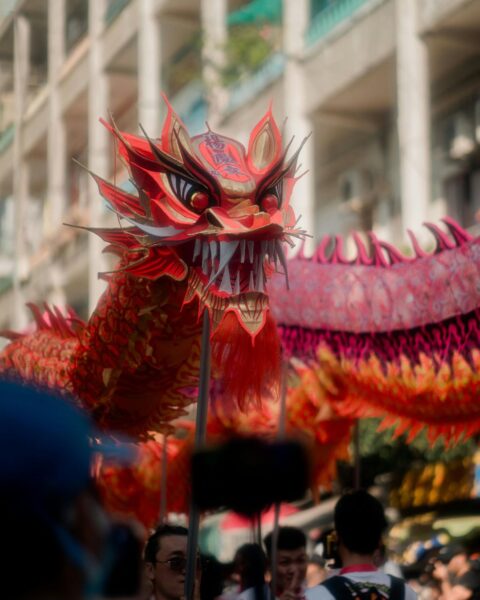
{"x": 269, "y": 203}
{"x": 271, "y": 199}
{"x": 199, "y": 200}
{"x": 190, "y": 193}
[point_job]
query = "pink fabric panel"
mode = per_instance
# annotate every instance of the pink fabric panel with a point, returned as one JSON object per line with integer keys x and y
{"x": 361, "y": 298}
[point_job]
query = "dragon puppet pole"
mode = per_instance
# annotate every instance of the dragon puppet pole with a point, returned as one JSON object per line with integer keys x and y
{"x": 282, "y": 422}
{"x": 357, "y": 473}
{"x": 200, "y": 435}
{"x": 163, "y": 498}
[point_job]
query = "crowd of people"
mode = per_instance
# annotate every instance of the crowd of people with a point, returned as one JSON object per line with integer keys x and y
{"x": 63, "y": 545}
{"x": 446, "y": 572}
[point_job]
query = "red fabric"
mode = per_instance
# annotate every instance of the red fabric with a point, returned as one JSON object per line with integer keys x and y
{"x": 246, "y": 363}
{"x": 360, "y": 568}
{"x": 235, "y": 521}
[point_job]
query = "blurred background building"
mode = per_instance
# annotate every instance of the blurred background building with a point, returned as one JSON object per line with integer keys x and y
{"x": 390, "y": 90}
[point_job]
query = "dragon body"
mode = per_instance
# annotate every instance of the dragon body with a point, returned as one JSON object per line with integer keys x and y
{"x": 390, "y": 335}
{"x": 382, "y": 334}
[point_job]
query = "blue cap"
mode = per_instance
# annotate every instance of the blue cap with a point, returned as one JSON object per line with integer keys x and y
{"x": 45, "y": 444}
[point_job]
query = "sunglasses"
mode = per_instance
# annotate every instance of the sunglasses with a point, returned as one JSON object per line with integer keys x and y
{"x": 178, "y": 564}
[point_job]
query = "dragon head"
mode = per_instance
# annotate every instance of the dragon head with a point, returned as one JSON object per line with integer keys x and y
{"x": 209, "y": 213}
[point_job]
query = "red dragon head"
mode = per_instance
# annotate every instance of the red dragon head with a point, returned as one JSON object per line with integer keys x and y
{"x": 208, "y": 212}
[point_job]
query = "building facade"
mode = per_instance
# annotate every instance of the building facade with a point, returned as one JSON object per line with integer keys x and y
{"x": 389, "y": 89}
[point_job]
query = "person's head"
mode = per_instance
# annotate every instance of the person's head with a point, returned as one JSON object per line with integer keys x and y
{"x": 213, "y": 576}
{"x": 359, "y": 523}
{"x": 166, "y": 561}
{"x": 47, "y": 497}
{"x": 292, "y": 559}
{"x": 316, "y": 571}
{"x": 250, "y": 564}
{"x": 455, "y": 557}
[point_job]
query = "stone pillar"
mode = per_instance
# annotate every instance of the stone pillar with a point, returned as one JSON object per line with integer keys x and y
{"x": 413, "y": 116}
{"x": 149, "y": 69}
{"x": 214, "y": 38}
{"x": 296, "y": 17}
{"x": 21, "y": 68}
{"x": 99, "y": 146}
{"x": 56, "y": 150}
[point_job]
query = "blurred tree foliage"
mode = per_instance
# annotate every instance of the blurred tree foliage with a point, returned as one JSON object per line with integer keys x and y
{"x": 382, "y": 453}
{"x": 248, "y": 47}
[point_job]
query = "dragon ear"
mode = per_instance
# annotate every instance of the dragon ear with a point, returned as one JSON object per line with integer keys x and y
{"x": 265, "y": 144}
{"x": 174, "y": 131}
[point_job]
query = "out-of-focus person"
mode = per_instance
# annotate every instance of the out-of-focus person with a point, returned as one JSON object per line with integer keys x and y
{"x": 291, "y": 562}
{"x": 458, "y": 577}
{"x": 56, "y": 535}
{"x": 214, "y": 574}
{"x": 166, "y": 563}
{"x": 359, "y": 524}
{"x": 316, "y": 571}
{"x": 384, "y": 564}
{"x": 251, "y": 565}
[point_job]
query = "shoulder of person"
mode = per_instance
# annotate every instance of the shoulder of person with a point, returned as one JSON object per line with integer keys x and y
{"x": 319, "y": 592}
{"x": 410, "y": 593}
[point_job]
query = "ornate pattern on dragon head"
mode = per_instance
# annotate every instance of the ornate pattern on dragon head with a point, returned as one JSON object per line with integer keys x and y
{"x": 208, "y": 213}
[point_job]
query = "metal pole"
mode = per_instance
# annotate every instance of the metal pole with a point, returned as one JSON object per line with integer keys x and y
{"x": 282, "y": 425}
{"x": 200, "y": 435}
{"x": 357, "y": 474}
{"x": 163, "y": 488}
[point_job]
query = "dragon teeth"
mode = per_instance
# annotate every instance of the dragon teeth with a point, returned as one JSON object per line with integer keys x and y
{"x": 283, "y": 261}
{"x": 251, "y": 284}
{"x": 226, "y": 285}
{"x": 250, "y": 245}
{"x": 271, "y": 251}
{"x": 227, "y": 250}
{"x": 213, "y": 251}
{"x": 237, "y": 283}
{"x": 242, "y": 251}
{"x": 260, "y": 283}
{"x": 205, "y": 268}
{"x": 197, "y": 249}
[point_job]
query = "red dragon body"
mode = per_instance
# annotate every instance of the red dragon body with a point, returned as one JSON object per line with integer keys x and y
{"x": 382, "y": 334}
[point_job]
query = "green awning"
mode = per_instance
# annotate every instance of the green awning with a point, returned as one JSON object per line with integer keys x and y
{"x": 257, "y": 11}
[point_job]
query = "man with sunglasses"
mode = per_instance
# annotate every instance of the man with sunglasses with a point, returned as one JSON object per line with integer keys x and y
{"x": 166, "y": 562}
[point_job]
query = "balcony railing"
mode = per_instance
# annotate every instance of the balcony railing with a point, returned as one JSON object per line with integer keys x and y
{"x": 331, "y": 13}
{"x": 249, "y": 88}
{"x": 114, "y": 8}
{"x": 6, "y": 137}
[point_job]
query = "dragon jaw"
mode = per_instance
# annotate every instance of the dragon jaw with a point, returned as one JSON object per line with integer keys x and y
{"x": 208, "y": 213}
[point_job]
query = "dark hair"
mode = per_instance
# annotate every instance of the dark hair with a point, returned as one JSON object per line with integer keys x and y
{"x": 153, "y": 543}
{"x": 289, "y": 538}
{"x": 360, "y": 522}
{"x": 254, "y": 565}
{"x": 213, "y": 575}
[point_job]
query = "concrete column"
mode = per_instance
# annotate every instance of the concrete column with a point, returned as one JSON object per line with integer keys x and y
{"x": 99, "y": 146}
{"x": 56, "y": 194}
{"x": 149, "y": 69}
{"x": 21, "y": 66}
{"x": 295, "y": 22}
{"x": 214, "y": 38}
{"x": 413, "y": 116}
